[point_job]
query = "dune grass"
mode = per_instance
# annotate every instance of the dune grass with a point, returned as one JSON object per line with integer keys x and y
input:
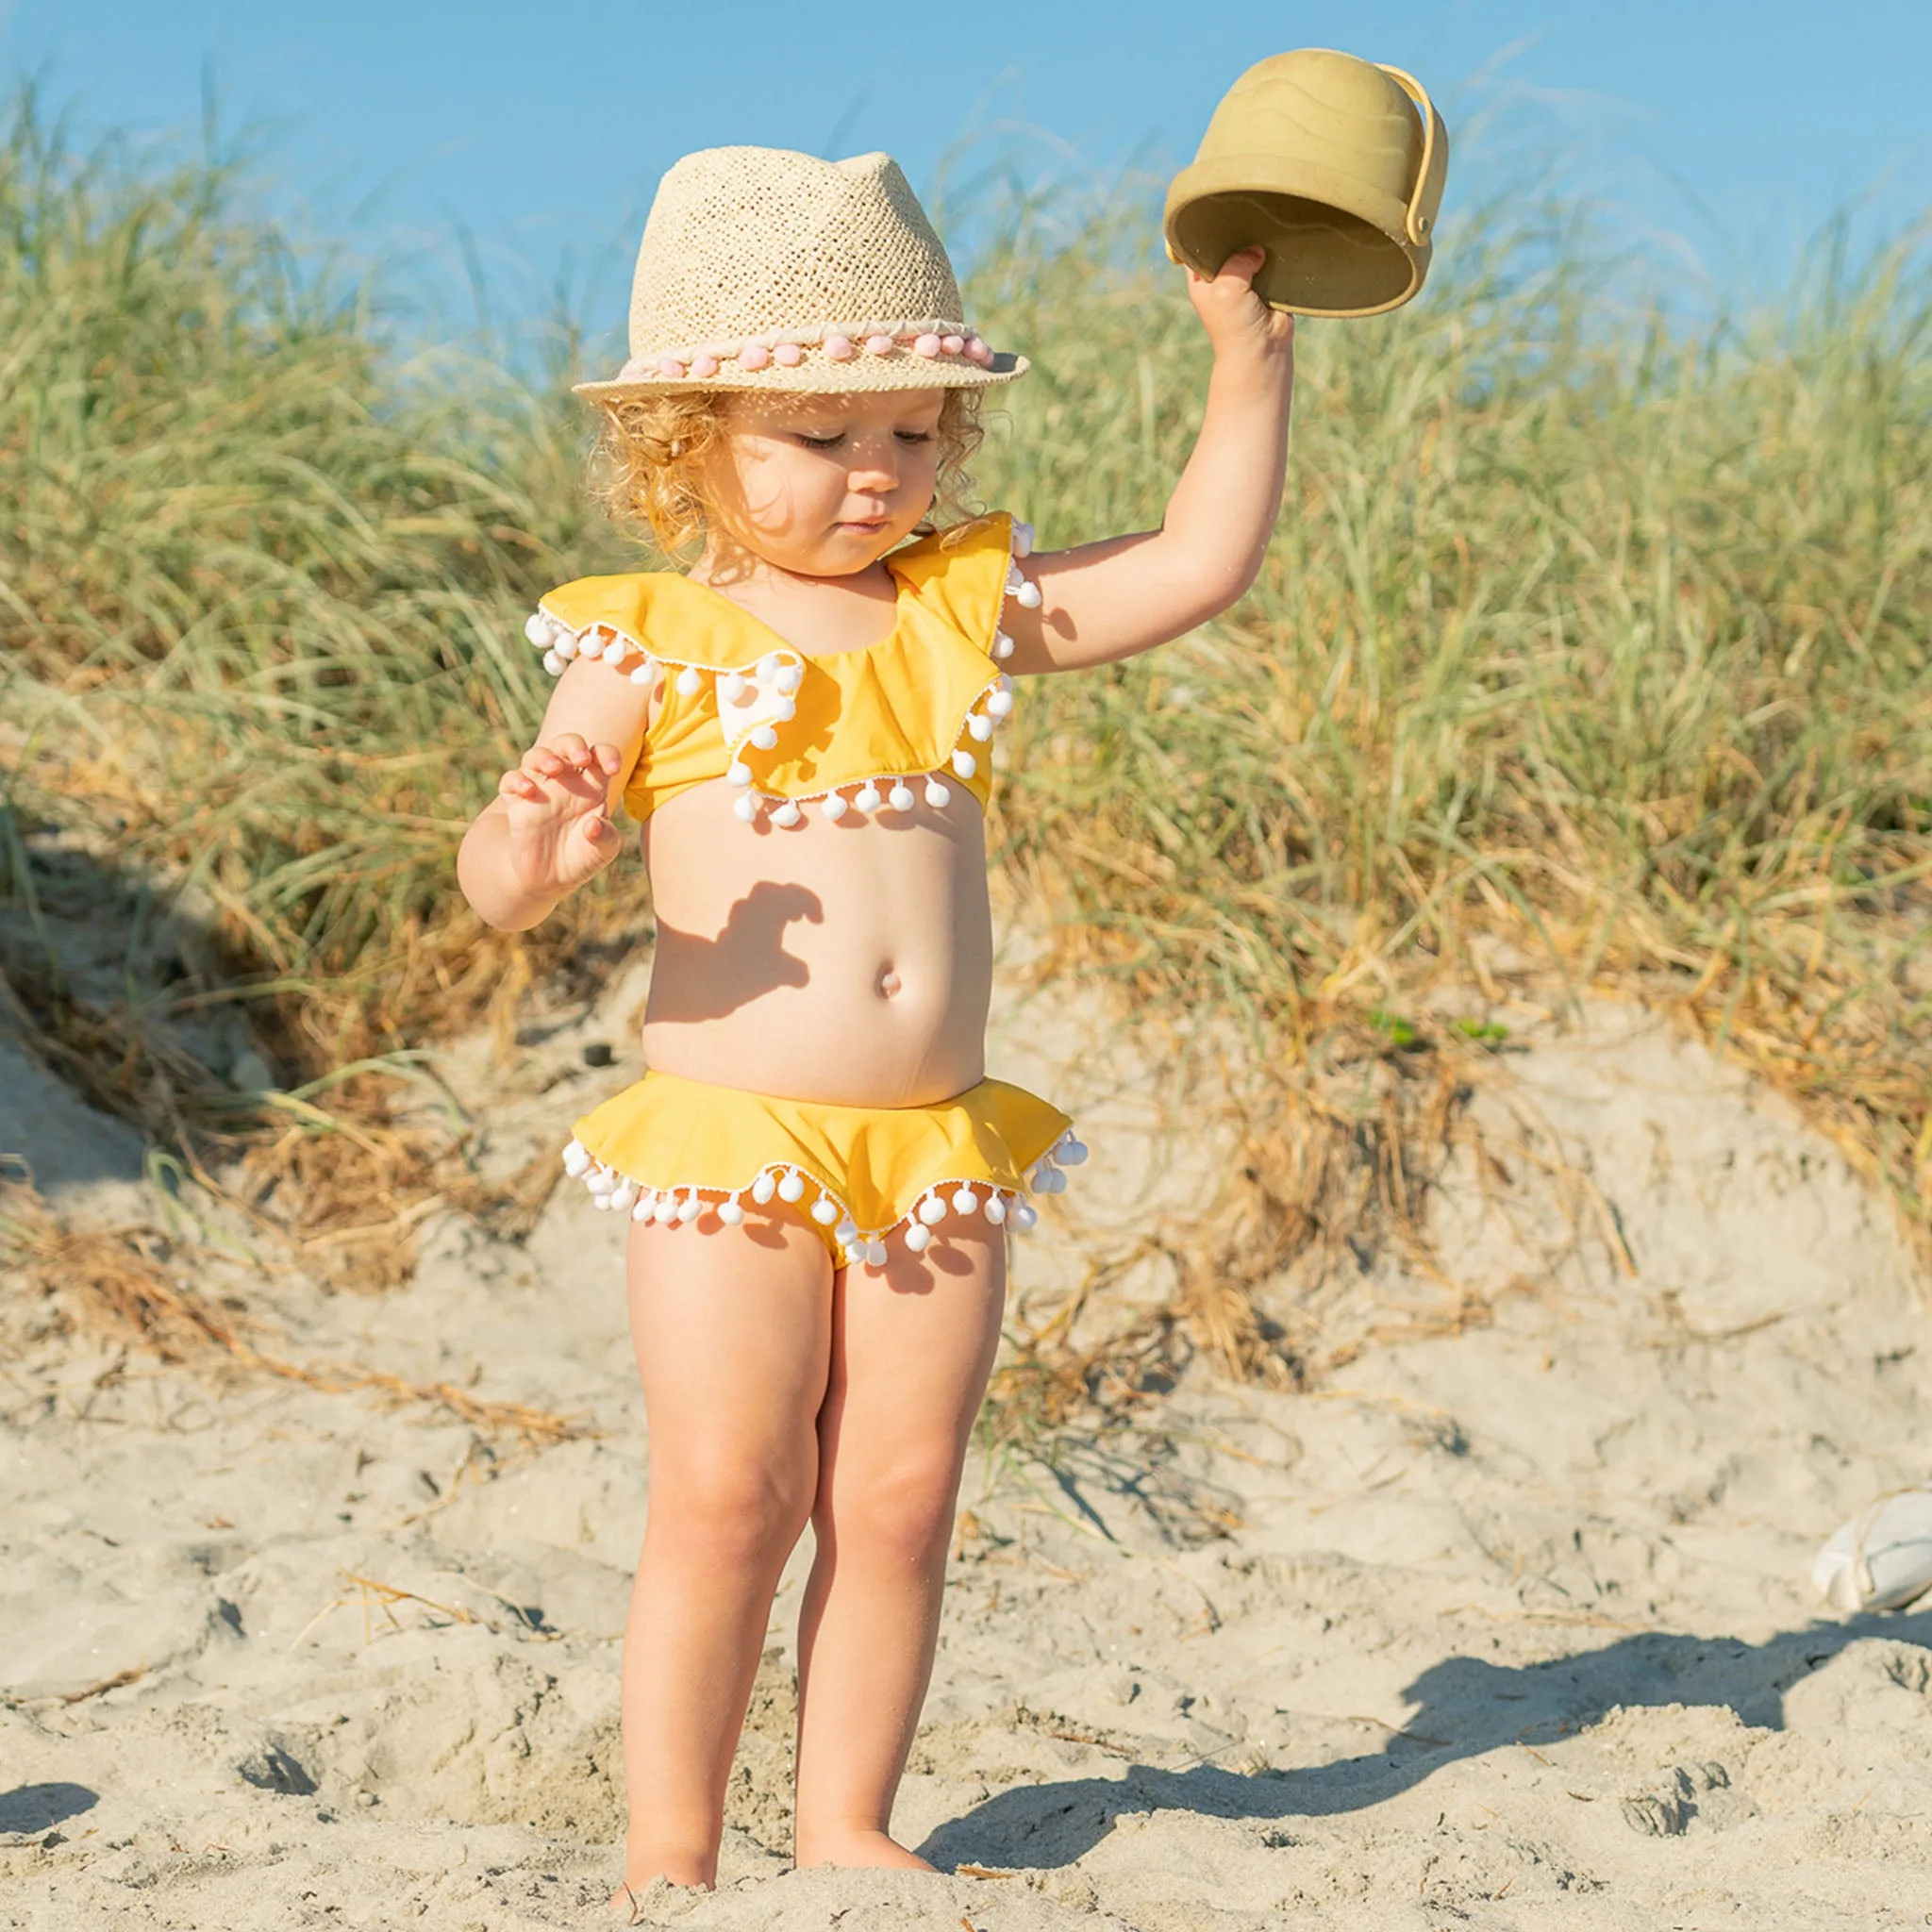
{"x": 1592, "y": 645}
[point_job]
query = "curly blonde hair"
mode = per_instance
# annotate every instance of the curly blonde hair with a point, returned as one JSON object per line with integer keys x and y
{"x": 648, "y": 467}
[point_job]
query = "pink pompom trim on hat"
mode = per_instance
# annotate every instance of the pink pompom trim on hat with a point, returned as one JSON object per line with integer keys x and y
{"x": 929, "y": 338}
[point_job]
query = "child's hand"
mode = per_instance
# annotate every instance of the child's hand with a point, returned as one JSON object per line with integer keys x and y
{"x": 1237, "y": 320}
{"x": 557, "y": 806}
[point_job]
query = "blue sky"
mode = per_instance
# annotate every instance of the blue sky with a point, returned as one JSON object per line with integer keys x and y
{"x": 1722, "y": 131}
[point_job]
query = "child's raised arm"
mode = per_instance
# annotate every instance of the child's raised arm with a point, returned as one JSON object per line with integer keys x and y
{"x": 548, "y": 829}
{"x": 1105, "y": 601}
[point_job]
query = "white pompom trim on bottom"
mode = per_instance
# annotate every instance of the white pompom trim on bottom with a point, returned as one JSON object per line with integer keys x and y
{"x": 780, "y": 1180}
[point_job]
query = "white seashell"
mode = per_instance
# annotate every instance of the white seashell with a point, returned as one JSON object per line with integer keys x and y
{"x": 729, "y": 1212}
{"x": 1023, "y": 539}
{"x": 731, "y": 687}
{"x": 932, "y": 1210}
{"x": 995, "y": 1208}
{"x": 825, "y": 1211}
{"x": 665, "y": 1212}
{"x": 792, "y": 1188}
{"x": 763, "y": 1189}
{"x": 965, "y": 763}
{"x": 965, "y": 1202}
{"x": 833, "y": 806}
{"x": 1024, "y": 1215}
{"x": 539, "y": 629}
{"x": 867, "y": 798}
{"x": 900, "y": 797}
{"x": 576, "y": 1158}
{"x": 623, "y": 1195}
{"x": 1000, "y": 703}
{"x": 553, "y": 663}
{"x": 918, "y": 1238}
{"x": 1028, "y": 597}
{"x": 738, "y": 772}
{"x": 764, "y": 738}
{"x": 746, "y": 806}
{"x": 1002, "y": 645}
{"x": 1070, "y": 1153}
{"x": 688, "y": 683}
{"x": 979, "y": 727}
{"x": 935, "y": 794}
{"x": 788, "y": 814}
{"x": 689, "y": 1209}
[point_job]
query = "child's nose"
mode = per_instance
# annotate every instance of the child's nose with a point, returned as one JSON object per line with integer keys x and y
{"x": 874, "y": 467}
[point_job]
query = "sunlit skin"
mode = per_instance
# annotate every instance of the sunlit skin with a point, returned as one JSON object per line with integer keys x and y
{"x": 846, "y": 962}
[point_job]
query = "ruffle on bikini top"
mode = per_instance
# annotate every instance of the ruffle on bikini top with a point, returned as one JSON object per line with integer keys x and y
{"x": 853, "y": 731}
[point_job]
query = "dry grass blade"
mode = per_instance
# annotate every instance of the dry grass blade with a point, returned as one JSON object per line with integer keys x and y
{"x": 127, "y": 1283}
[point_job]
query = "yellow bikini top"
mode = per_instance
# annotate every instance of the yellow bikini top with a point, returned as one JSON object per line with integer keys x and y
{"x": 852, "y": 729}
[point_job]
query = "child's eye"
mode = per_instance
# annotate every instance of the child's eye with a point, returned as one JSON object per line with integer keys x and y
{"x": 914, "y": 435}
{"x": 831, "y": 441}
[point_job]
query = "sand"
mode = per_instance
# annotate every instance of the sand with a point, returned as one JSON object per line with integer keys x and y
{"x": 1503, "y": 1627}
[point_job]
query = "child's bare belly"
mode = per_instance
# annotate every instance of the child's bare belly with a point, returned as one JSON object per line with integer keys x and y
{"x": 847, "y": 961}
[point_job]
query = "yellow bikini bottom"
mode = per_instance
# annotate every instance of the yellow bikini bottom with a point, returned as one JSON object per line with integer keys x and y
{"x": 667, "y": 1148}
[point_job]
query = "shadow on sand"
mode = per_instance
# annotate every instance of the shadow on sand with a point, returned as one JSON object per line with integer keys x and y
{"x": 1466, "y": 1707}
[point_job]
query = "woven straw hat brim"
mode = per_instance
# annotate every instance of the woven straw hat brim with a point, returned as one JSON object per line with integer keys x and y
{"x": 818, "y": 376}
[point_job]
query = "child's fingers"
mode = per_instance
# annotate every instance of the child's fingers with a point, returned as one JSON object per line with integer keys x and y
{"x": 570, "y": 745}
{"x": 519, "y": 784}
{"x": 1244, "y": 266}
{"x": 609, "y": 760}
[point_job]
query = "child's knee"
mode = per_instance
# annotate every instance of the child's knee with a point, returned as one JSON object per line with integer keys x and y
{"x": 731, "y": 1512}
{"x": 899, "y": 1515}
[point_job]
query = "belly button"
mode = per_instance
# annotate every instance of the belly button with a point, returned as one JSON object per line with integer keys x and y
{"x": 889, "y": 982}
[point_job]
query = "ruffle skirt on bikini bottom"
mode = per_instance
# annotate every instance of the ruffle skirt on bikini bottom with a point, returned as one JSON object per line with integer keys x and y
{"x": 666, "y": 1149}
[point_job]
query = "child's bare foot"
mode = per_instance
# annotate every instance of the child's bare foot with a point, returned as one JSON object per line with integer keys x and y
{"x": 646, "y": 1865}
{"x": 857, "y": 1848}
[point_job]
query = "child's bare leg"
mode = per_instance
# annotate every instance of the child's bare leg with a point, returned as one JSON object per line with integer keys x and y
{"x": 911, "y": 1349}
{"x": 732, "y": 1330}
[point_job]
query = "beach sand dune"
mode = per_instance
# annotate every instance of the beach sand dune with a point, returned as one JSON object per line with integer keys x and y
{"x": 1503, "y": 1624}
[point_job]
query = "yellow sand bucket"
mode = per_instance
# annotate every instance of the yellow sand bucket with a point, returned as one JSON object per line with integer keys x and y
{"x": 1335, "y": 166}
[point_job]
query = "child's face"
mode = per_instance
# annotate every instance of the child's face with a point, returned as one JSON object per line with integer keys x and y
{"x": 823, "y": 486}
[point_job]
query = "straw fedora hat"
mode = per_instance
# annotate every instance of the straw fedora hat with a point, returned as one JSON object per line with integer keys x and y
{"x": 766, "y": 269}
{"x": 1335, "y": 166}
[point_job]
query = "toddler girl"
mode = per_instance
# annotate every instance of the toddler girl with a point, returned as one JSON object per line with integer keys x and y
{"x": 818, "y": 1176}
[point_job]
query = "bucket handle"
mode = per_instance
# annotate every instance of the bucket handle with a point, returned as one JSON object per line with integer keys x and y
{"x": 1427, "y": 199}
